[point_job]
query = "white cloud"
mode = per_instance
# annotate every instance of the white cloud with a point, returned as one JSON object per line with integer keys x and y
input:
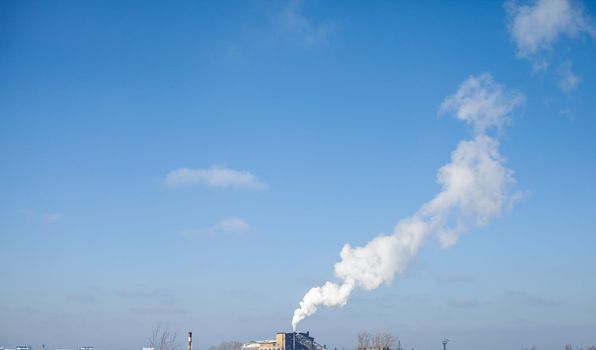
{"x": 52, "y": 218}
{"x": 232, "y": 225}
{"x": 228, "y": 225}
{"x": 568, "y": 80}
{"x": 482, "y": 102}
{"x": 216, "y": 176}
{"x": 308, "y": 31}
{"x": 537, "y": 26}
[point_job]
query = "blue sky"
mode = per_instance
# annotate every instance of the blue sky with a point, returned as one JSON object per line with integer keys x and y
{"x": 326, "y": 116}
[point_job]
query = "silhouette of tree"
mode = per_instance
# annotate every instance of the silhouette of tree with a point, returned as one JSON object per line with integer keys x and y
{"x": 163, "y": 339}
{"x": 228, "y": 345}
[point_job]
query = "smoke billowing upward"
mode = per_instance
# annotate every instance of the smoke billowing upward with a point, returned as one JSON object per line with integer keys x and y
{"x": 475, "y": 187}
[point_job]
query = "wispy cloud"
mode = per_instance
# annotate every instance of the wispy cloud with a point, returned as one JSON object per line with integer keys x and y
{"x": 464, "y": 302}
{"x": 308, "y": 31}
{"x": 566, "y": 112}
{"x": 152, "y": 301}
{"x": 457, "y": 278}
{"x": 568, "y": 80}
{"x": 482, "y": 102}
{"x": 215, "y": 176}
{"x": 537, "y": 26}
{"x": 158, "y": 310}
{"x": 228, "y": 225}
{"x": 87, "y": 295}
{"x": 232, "y": 225}
{"x": 19, "y": 309}
{"x": 531, "y": 299}
{"x": 52, "y": 218}
{"x": 145, "y": 292}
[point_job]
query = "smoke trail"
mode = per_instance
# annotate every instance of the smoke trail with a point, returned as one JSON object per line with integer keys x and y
{"x": 476, "y": 186}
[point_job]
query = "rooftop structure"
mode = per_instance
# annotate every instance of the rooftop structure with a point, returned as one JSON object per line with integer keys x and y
{"x": 285, "y": 341}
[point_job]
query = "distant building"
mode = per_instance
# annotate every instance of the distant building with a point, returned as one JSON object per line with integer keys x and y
{"x": 148, "y": 349}
{"x": 22, "y": 347}
{"x": 285, "y": 341}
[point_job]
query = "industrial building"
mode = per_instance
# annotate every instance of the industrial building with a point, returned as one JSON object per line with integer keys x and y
{"x": 285, "y": 341}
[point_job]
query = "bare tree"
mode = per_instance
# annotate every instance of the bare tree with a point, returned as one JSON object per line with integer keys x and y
{"x": 381, "y": 340}
{"x": 384, "y": 340}
{"x": 364, "y": 340}
{"x": 228, "y": 345}
{"x": 532, "y": 348}
{"x": 163, "y": 339}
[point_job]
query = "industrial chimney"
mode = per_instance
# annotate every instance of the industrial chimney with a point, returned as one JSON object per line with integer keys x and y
{"x": 189, "y": 341}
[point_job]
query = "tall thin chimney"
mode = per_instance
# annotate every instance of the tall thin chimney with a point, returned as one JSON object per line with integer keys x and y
{"x": 189, "y": 341}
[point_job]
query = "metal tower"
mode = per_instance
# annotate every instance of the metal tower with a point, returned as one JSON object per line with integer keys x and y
{"x": 445, "y": 341}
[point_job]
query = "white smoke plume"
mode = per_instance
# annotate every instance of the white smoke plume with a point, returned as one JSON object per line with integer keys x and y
{"x": 475, "y": 187}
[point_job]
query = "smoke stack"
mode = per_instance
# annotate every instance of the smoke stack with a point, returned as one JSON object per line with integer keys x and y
{"x": 189, "y": 341}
